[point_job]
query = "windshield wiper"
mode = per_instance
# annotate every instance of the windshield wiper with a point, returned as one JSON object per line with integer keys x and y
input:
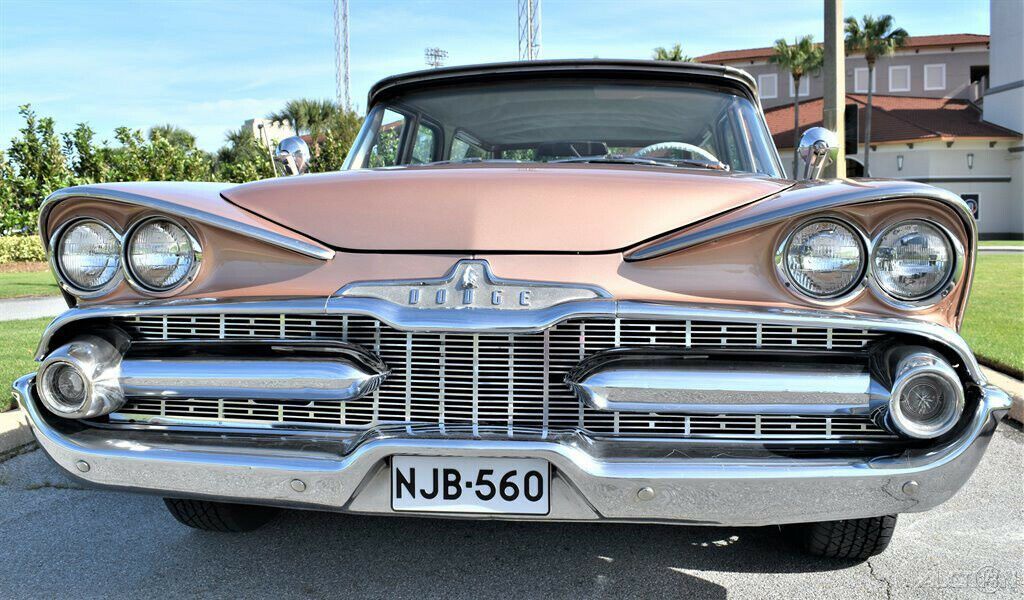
{"x": 636, "y": 160}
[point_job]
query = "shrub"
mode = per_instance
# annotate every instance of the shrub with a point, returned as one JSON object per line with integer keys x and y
{"x": 20, "y": 248}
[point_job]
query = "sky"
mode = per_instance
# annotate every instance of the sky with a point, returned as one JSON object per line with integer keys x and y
{"x": 208, "y": 66}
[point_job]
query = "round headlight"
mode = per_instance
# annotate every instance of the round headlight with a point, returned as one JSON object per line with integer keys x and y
{"x": 912, "y": 260}
{"x": 88, "y": 255}
{"x": 161, "y": 255}
{"x": 824, "y": 258}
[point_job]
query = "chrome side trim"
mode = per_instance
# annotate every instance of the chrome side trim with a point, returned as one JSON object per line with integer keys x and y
{"x": 595, "y": 480}
{"x": 493, "y": 321}
{"x": 170, "y": 208}
{"x": 819, "y": 200}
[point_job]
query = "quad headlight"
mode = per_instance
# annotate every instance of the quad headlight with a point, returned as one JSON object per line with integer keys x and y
{"x": 161, "y": 255}
{"x": 912, "y": 260}
{"x": 87, "y": 256}
{"x": 824, "y": 258}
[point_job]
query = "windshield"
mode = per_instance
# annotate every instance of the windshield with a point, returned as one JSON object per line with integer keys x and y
{"x": 685, "y": 125}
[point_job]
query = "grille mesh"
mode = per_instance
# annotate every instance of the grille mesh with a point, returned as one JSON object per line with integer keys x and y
{"x": 497, "y": 380}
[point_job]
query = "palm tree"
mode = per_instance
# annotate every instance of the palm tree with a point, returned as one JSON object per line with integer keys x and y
{"x": 177, "y": 136}
{"x": 802, "y": 58}
{"x": 874, "y": 37}
{"x": 674, "y": 54}
{"x": 308, "y": 115}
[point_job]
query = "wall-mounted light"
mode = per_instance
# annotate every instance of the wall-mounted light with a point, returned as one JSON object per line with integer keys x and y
{"x": 970, "y": 160}
{"x": 899, "y": 162}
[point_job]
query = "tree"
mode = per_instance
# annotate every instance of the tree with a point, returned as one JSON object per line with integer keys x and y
{"x": 177, "y": 136}
{"x": 308, "y": 115}
{"x": 874, "y": 37}
{"x": 674, "y": 54}
{"x": 803, "y": 58}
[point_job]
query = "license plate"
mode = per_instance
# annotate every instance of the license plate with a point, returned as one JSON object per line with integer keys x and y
{"x": 470, "y": 485}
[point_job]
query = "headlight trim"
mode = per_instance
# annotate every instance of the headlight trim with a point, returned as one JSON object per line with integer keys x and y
{"x": 858, "y": 284}
{"x": 952, "y": 279}
{"x": 65, "y": 282}
{"x": 141, "y": 286}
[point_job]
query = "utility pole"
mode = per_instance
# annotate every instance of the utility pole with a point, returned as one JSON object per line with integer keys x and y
{"x": 529, "y": 29}
{"x": 834, "y": 75}
{"x": 341, "y": 71}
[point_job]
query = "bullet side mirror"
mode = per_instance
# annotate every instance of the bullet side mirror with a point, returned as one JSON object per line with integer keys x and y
{"x": 819, "y": 147}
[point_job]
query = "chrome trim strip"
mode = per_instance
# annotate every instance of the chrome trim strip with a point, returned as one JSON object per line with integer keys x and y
{"x": 594, "y": 480}
{"x": 493, "y": 321}
{"x": 677, "y": 384}
{"x": 816, "y": 204}
{"x": 170, "y": 208}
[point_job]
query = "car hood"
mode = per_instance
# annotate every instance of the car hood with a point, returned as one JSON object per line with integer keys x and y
{"x": 492, "y": 208}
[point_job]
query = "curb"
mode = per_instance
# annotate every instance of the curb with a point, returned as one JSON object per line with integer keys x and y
{"x": 1013, "y": 387}
{"x": 14, "y": 431}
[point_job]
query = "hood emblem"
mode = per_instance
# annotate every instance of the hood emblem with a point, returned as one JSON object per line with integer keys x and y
{"x": 469, "y": 284}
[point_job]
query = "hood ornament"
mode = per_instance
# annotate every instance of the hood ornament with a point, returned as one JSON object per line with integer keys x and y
{"x": 469, "y": 284}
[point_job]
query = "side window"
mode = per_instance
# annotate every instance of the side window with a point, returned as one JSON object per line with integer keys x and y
{"x": 384, "y": 152}
{"x": 423, "y": 147}
{"x": 463, "y": 149}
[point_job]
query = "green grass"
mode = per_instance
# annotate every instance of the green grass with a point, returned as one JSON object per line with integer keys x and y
{"x": 18, "y": 341}
{"x": 994, "y": 325}
{"x": 18, "y": 284}
{"x": 1001, "y": 243}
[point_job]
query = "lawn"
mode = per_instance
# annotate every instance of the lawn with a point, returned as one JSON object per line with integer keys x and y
{"x": 994, "y": 326}
{"x": 19, "y": 344}
{"x": 1001, "y": 243}
{"x": 18, "y": 281}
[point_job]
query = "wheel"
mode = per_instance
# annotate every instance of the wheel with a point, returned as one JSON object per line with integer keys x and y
{"x": 857, "y": 539}
{"x": 219, "y": 516}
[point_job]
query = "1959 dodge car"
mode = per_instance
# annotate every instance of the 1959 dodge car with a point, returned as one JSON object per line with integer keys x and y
{"x": 558, "y": 290}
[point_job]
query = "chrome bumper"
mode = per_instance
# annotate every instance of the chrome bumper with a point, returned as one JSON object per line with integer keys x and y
{"x": 593, "y": 479}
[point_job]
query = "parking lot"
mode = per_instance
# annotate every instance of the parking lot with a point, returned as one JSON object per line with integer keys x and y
{"x": 61, "y": 540}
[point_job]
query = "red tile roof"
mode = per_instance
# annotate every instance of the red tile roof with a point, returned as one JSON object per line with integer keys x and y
{"x": 894, "y": 119}
{"x": 913, "y": 42}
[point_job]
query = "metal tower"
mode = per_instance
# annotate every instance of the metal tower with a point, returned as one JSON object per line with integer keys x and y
{"x": 435, "y": 57}
{"x": 529, "y": 29}
{"x": 341, "y": 53}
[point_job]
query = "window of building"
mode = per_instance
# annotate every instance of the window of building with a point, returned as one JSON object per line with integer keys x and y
{"x": 805, "y": 86}
{"x": 980, "y": 73}
{"x": 899, "y": 78}
{"x": 860, "y": 81}
{"x": 935, "y": 77}
{"x": 768, "y": 84}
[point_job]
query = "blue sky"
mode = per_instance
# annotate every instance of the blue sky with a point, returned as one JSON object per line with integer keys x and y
{"x": 209, "y": 65}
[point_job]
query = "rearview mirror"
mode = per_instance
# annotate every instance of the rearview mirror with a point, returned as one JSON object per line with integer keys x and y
{"x": 293, "y": 154}
{"x": 818, "y": 148}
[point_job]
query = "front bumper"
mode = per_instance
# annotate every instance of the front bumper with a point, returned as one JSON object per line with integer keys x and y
{"x": 593, "y": 479}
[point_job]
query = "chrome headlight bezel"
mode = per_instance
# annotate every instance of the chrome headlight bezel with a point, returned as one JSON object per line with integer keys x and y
{"x": 957, "y": 255}
{"x": 140, "y": 284}
{"x": 65, "y": 282}
{"x": 851, "y": 291}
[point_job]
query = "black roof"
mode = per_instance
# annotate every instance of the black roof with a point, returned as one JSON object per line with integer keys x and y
{"x": 599, "y": 67}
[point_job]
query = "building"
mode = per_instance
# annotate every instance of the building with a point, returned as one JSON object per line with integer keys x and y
{"x": 269, "y": 132}
{"x": 932, "y": 119}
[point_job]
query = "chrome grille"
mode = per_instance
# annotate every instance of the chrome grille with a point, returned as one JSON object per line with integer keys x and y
{"x": 507, "y": 381}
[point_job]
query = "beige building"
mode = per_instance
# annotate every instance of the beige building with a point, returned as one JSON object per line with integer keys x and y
{"x": 933, "y": 119}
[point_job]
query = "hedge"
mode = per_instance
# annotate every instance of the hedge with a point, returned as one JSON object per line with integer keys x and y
{"x": 20, "y": 248}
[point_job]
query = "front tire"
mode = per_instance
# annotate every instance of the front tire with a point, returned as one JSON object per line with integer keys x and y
{"x": 219, "y": 516}
{"x": 854, "y": 539}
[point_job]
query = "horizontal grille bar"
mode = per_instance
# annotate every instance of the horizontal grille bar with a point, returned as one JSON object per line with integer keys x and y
{"x": 508, "y": 381}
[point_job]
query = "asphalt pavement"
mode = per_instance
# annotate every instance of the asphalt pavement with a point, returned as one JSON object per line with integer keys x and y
{"x": 61, "y": 540}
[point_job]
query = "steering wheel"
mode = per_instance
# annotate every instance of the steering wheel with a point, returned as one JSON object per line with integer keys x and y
{"x": 681, "y": 146}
